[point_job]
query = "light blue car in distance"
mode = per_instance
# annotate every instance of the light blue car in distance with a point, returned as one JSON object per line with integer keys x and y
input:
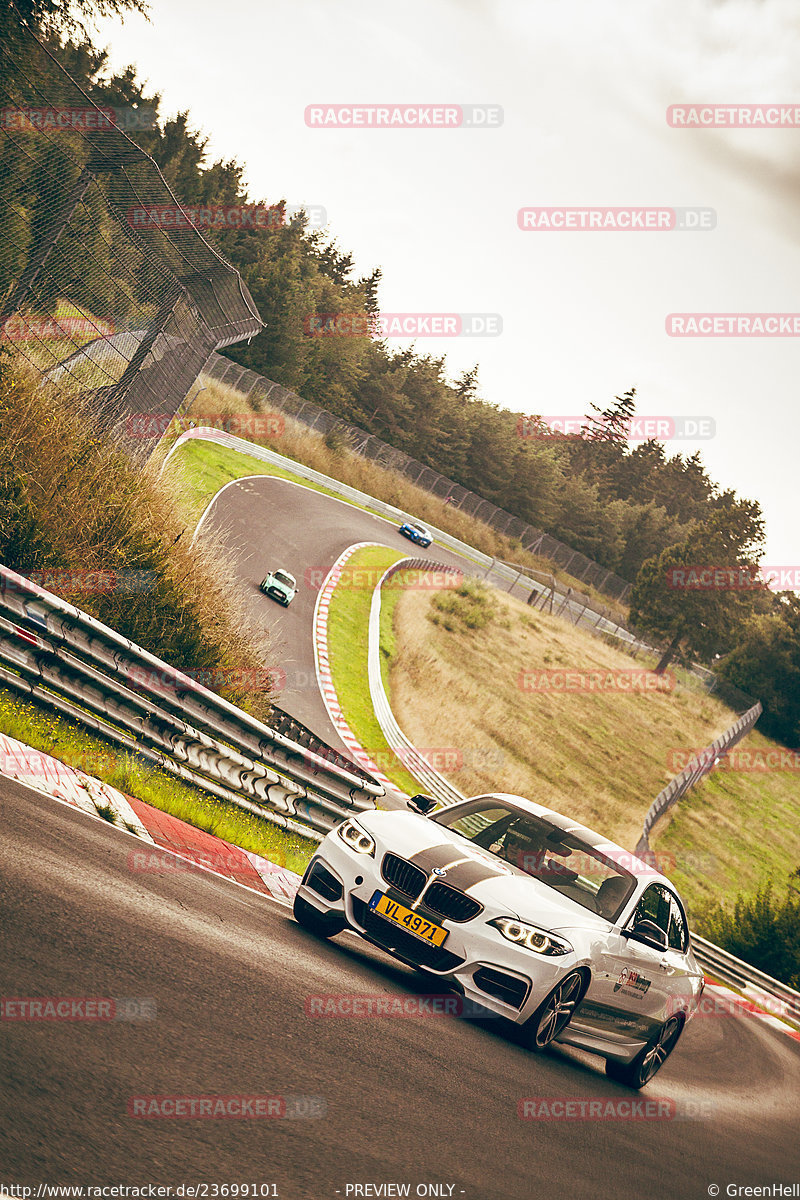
{"x": 416, "y": 532}
{"x": 280, "y": 586}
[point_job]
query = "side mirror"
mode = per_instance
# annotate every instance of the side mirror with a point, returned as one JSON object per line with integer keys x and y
{"x": 422, "y": 804}
{"x": 649, "y": 934}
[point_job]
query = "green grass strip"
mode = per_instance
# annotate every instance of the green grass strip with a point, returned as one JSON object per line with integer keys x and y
{"x": 64, "y": 739}
{"x": 348, "y": 642}
{"x": 206, "y": 467}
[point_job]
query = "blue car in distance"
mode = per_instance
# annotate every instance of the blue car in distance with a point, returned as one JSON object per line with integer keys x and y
{"x": 416, "y": 532}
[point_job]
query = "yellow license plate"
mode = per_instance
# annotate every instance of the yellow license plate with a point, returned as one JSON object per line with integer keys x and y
{"x": 409, "y": 920}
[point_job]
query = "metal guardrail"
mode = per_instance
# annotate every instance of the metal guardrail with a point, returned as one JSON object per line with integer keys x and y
{"x": 778, "y": 998}
{"x": 68, "y": 660}
{"x": 412, "y": 759}
{"x": 694, "y": 771}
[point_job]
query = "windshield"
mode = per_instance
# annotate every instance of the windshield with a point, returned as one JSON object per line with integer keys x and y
{"x": 537, "y": 847}
{"x": 284, "y": 577}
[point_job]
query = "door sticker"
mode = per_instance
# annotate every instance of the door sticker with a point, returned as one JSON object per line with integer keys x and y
{"x": 631, "y": 983}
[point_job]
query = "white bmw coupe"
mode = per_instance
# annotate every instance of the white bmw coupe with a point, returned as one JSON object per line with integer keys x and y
{"x": 525, "y": 913}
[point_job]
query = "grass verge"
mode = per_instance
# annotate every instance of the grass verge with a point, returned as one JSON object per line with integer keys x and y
{"x": 203, "y": 468}
{"x": 66, "y": 740}
{"x": 348, "y": 639}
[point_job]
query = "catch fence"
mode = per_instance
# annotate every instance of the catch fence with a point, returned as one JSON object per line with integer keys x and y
{"x": 118, "y": 311}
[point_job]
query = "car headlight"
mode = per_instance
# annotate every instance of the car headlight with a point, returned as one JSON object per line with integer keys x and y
{"x": 355, "y": 837}
{"x": 541, "y": 941}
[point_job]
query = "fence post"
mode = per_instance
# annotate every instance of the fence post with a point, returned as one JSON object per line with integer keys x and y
{"x": 165, "y": 311}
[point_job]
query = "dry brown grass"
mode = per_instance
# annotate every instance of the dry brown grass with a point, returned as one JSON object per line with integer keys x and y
{"x": 73, "y": 502}
{"x": 600, "y": 755}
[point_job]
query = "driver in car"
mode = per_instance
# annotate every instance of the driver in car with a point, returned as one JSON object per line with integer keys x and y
{"x": 522, "y": 849}
{"x": 527, "y": 851}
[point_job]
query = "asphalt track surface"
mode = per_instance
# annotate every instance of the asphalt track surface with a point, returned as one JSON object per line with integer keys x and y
{"x": 410, "y": 1101}
{"x": 265, "y": 523}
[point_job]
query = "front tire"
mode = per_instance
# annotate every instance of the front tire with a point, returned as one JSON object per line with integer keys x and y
{"x": 320, "y": 924}
{"x": 649, "y": 1060}
{"x": 555, "y": 1012}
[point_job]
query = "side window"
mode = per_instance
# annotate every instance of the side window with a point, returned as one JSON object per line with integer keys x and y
{"x": 677, "y": 925}
{"x": 655, "y": 906}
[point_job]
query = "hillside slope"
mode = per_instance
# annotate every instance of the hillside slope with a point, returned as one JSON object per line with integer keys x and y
{"x": 480, "y": 680}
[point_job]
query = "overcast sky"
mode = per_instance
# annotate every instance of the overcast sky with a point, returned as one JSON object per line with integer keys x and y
{"x": 584, "y": 87}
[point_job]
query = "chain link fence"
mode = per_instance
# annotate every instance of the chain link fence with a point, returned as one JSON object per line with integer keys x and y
{"x": 111, "y": 307}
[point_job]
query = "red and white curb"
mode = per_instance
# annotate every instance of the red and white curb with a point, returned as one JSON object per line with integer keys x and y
{"x": 169, "y": 844}
{"x": 766, "y": 1008}
{"x": 55, "y": 778}
{"x": 323, "y": 667}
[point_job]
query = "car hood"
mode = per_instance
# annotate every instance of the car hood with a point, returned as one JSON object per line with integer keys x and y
{"x": 500, "y": 887}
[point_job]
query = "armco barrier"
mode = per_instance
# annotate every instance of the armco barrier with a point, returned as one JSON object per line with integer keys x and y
{"x": 66, "y": 659}
{"x": 694, "y": 771}
{"x": 754, "y": 983}
{"x": 432, "y": 782}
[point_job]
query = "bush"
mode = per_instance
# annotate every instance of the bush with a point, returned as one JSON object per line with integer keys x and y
{"x": 72, "y": 503}
{"x": 763, "y": 930}
{"x": 469, "y": 606}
